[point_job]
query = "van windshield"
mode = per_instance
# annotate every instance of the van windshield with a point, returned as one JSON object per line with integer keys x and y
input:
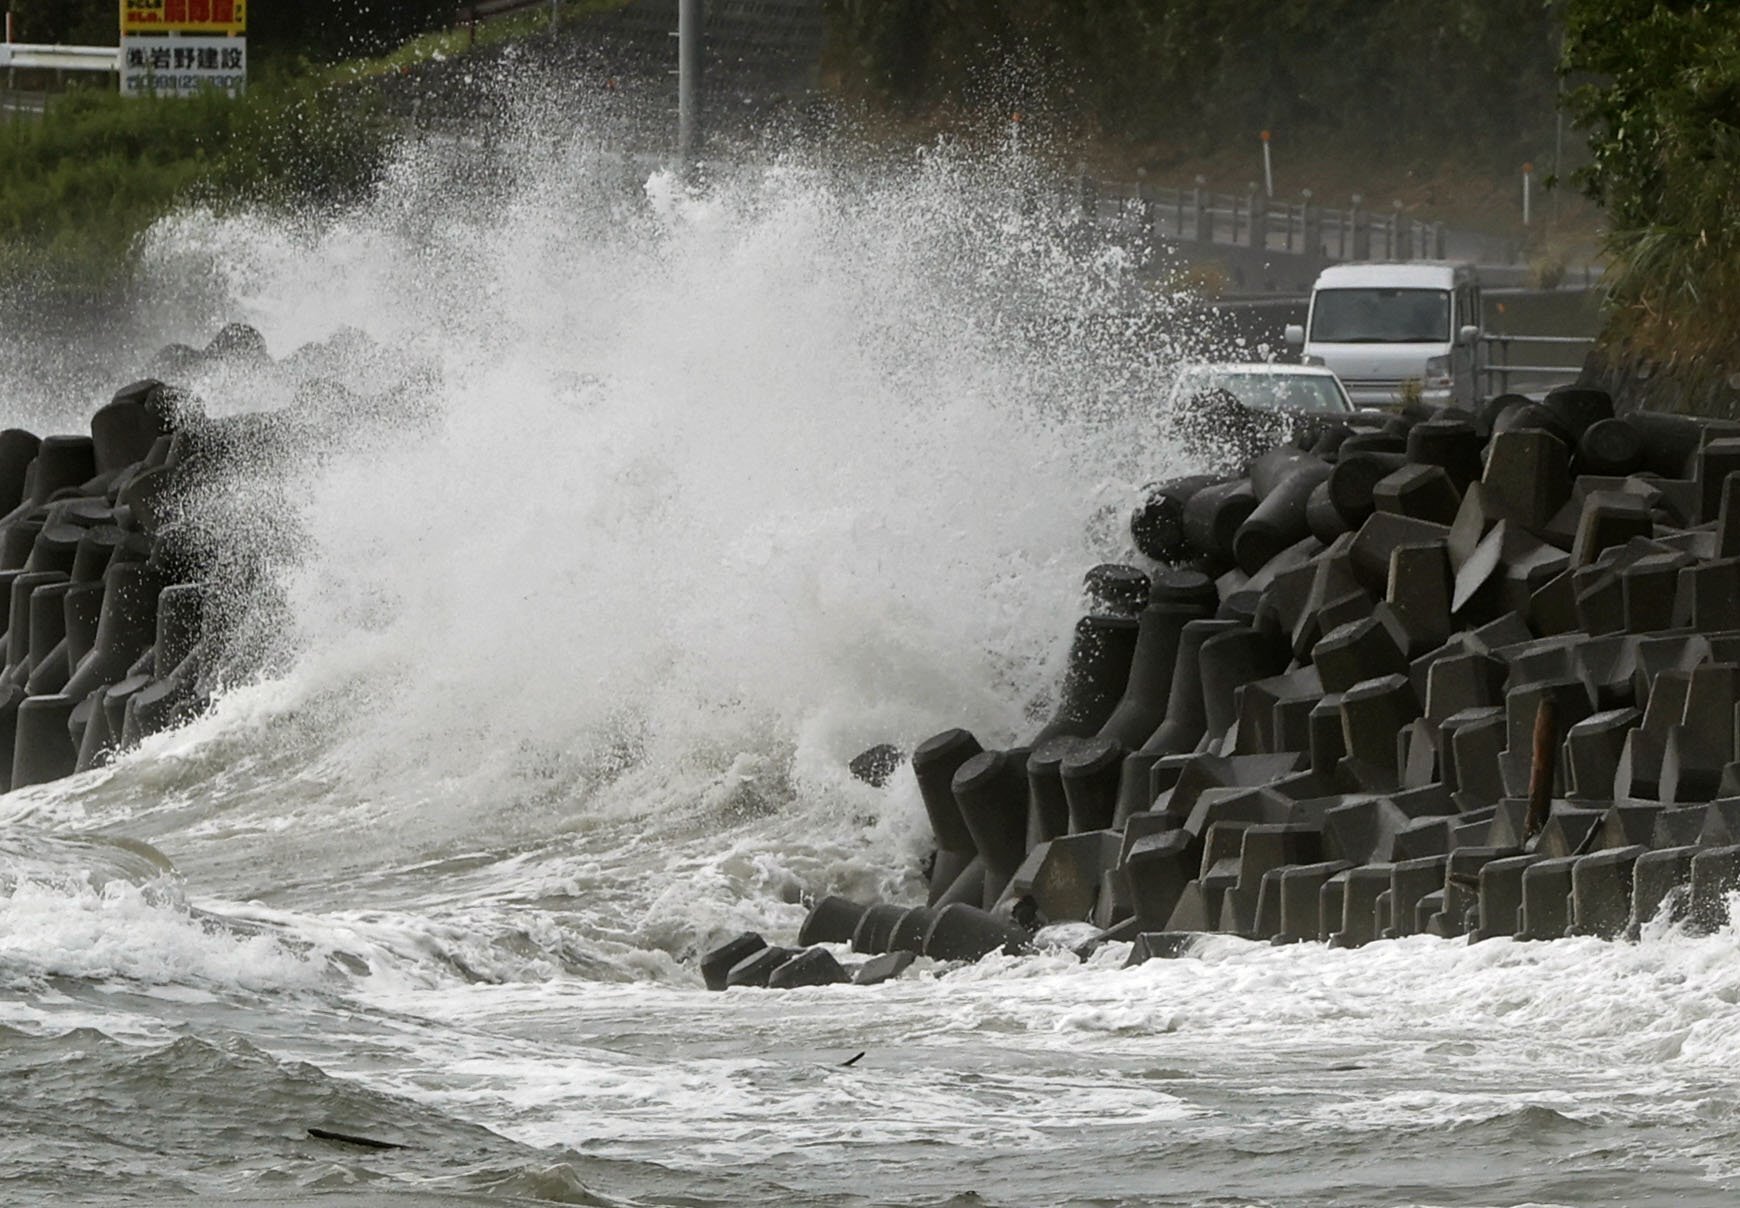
{"x": 1380, "y": 316}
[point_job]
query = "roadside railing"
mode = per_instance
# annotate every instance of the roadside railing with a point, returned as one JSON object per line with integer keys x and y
{"x": 1304, "y": 230}
{"x": 1499, "y": 369}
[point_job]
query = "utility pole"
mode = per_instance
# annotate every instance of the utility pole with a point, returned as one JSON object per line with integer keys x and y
{"x": 689, "y": 133}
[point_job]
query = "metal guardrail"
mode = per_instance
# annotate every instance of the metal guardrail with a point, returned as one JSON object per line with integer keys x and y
{"x": 1300, "y": 228}
{"x": 1497, "y": 371}
{"x": 25, "y": 55}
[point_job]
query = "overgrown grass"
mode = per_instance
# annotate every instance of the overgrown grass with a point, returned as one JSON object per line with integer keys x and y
{"x": 78, "y": 187}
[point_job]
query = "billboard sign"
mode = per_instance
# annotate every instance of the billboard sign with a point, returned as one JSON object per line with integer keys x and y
{"x": 184, "y": 17}
{"x": 183, "y": 66}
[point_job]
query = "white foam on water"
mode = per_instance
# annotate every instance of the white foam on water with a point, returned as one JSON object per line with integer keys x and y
{"x": 686, "y": 496}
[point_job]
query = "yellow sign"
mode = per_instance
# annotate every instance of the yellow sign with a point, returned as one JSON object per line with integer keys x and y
{"x": 184, "y": 16}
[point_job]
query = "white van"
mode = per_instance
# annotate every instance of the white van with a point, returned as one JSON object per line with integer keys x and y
{"x": 1388, "y": 329}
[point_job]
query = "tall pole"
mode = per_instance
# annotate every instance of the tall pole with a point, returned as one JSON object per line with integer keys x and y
{"x": 689, "y": 18}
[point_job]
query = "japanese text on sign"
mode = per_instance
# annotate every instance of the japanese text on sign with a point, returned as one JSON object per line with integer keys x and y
{"x": 183, "y": 66}
{"x": 184, "y": 16}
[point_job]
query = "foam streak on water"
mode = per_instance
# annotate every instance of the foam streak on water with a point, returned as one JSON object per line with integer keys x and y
{"x": 633, "y": 515}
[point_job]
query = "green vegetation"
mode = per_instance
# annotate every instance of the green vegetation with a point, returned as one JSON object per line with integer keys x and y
{"x": 1661, "y": 108}
{"x": 1393, "y": 76}
{"x": 78, "y": 187}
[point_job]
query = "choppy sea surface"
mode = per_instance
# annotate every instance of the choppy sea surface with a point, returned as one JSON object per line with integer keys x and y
{"x": 650, "y": 507}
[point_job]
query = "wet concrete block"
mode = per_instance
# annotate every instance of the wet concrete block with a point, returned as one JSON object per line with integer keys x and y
{"x": 1608, "y": 519}
{"x": 1715, "y": 594}
{"x": 1299, "y": 890}
{"x": 1713, "y": 463}
{"x": 1715, "y": 879}
{"x": 1677, "y": 827}
{"x": 1661, "y": 885}
{"x": 1728, "y": 518}
{"x": 62, "y": 462}
{"x": 1047, "y": 802}
{"x": 1411, "y": 880}
{"x": 1420, "y": 492}
{"x": 1463, "y": 681}
{"x": 875, "y": 930}
{"x": 1638, "y": 776}
{"x": 1593, "y": 747}
{"x": 1626, "y": 825}
{"x": 1267, "y": 846}
{"x": 831, "y": 921}
{"x": 1647, "y": 591}
{"x": 1476, "y": 742}
{"x": 1327, "y": 746}
{"x": 1417, "y": 754}
{"x": 43, "y": 747}
{"x": 717, "y": 964}
{"x": 1372, "y": 712}
{"x": 1355, "y": 476}
{"x": 1571, "y": 704}
{"x": 1379, "y": 537}
{"x": 1101, "y": 654}
{"x": 884, "y": 968}
{"x": 963, "y": 933}
{"x": 1611, "y": 446}
{"x": 1115, "y": 589}
{"x": 1601, "y": 892}
{"x": 1157, "y": 868}
{"x": 1460, "y": 910}
{"x": 1331, "y": 905}
{"x": 1213, "y": 516}
{"x": 753, "y": 971}
{"x": 1501, "y": 897}
{"x": 1360, "y": 891}
{"x": 1569, "y": 830}
{"x": 1419, "y": 591}
{"x": 1355, "y": 652}
{"x": 1546, "y": 911}
{"x": 812, "y": 967}
{"x": 1229, "y": 660}
{"x": 1527, "y": 476}
{"x": 1161, "y": 945}
{"x": 1185, "y": 721}
{"x": 1206, "y": 773}
{"x": 1157, "y": 524}
{"x": 1279, "y": 519}
{"x": 1422, "y": 837}
{"x": 991, "y": 791}
{"x": 910, "y": 931}
{"x": 1198, "y": 908}
{"x": 1451, "y": 444}
{"x": 1362, "y": 830}
{"x": 1238, "y": 912}
{"x": 1089, "y": 775}
{"x": 1068, "y": 880}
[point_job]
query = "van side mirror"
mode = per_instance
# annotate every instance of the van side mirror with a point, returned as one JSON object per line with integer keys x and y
{"x": 1295, "y": 335}
{"x": 1468, "y": 335}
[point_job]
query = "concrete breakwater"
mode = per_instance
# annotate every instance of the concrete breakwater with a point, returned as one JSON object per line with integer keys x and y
{"x": 1467, "y": 674}
{"x": 105, "y": 621}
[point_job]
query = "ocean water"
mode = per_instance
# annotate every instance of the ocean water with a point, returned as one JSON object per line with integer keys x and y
{"x": 620, "y": 513}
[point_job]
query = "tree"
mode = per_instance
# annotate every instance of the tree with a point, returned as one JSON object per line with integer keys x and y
{"x": 1660, "y": 103}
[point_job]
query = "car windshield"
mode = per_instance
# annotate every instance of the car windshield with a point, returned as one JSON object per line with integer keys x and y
{"x": 1310, "y": 392}
{"x": 1380, "y": 316}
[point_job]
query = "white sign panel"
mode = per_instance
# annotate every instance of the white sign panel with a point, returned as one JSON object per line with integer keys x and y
{"x": 155, "y": 65}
